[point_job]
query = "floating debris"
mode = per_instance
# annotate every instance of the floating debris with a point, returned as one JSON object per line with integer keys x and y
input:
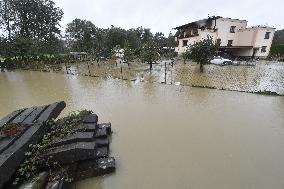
{"x": 177, "y": 83}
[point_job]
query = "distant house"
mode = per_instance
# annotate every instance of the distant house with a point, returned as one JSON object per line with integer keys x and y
{"x": 233, "y": 36}
{"x": 119, "y": 53}
{"x": 79, "y": 55}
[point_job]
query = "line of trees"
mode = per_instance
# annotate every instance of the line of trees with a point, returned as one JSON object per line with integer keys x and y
{"x": 277, "y": 48}
{"x": 31, "y": 28}
{"x": 83, "y": 35}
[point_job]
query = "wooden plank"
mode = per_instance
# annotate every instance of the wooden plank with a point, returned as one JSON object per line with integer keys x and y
{"x": 91, "y": 118}
{"x": 101, "y": 133}
{"x": 71, "y": 153}
{"x": 10, "y": 117}
{"x": 91, "y": 168}
{"x": 12, "y": 150}
{"x": 34, "y": 115}
{"x": 52, "y": 111}
{"x": 76, "y": 137}
{"x": 6, "y": 142}
{"x": 107, "y": 126}
{"x": 11, "y": 158}
{"x": 20, "y": 118}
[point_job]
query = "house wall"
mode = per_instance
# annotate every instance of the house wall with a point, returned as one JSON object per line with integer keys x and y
{"x": 180, "y": 50}
{"x": 191, "y": 40}
{"x": 223, "y": 26}
{"x": 260, "y": 40}
{"x": 243, "y": 37}
{"x": 204, "y": 34}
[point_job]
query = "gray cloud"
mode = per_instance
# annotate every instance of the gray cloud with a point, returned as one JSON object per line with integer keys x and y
{"x": 162, "y": 15}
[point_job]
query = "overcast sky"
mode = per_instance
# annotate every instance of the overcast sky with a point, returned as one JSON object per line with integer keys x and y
{"x": 163, "y": 15}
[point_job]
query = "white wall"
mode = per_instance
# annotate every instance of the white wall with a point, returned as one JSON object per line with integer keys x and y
{"x": 205, "y": 33}
{"x": 253, "y": 37}
{"x": 191, "y": 40}
{"x": 260, "y": 41}
{"x": 244, "y": 37}
{"x": 223, "y": 26}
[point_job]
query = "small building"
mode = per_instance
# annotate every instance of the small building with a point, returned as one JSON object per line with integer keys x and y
{"x": 119, "y": 53}
{"x": 79, "y": 55}
{"x": 232, "y": 35}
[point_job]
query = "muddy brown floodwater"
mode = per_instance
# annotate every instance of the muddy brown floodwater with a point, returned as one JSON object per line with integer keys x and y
{"x": 168, "y": 136}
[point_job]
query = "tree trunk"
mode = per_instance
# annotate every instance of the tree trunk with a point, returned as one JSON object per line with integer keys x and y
{"x": 151, "y": 66}
{"x": 201, "y": 67}
{"x": 98, "y": 61}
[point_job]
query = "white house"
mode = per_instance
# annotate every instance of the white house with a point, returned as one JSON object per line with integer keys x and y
{"x": 233, "y": 36}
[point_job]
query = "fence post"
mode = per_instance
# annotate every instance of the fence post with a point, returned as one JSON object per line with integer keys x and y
{"x": 66, "y": 68}
{"x": 89, "y": 69}
{"x": 165, "y": 72}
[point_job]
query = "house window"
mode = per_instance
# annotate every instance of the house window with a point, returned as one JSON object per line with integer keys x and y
{"x": 184, "y": 43}
{"x": 267, "y": 35}
{"x": 230, "y": 42}
{"x": 263, "y": 49}
{"x": 232, "y": 29}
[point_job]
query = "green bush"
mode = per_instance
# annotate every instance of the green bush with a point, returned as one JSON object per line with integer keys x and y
{"x": 277, "y": 50}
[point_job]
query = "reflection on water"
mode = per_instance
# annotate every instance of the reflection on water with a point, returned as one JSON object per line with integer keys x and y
{"x": 168, "y": 136}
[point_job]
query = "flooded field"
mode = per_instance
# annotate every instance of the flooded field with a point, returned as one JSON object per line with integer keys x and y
{"x": 168, "y": 136}
{"x": 266, "y": 76}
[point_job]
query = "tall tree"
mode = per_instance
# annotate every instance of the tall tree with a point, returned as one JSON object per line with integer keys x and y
{"x": 150, "y": 53}
{"x": 7, "y": 17}
{"x": 81, "y": 35}
{"x": 116, "y": 36}
{"x": 277, "y": 47}
{"x": 160, "y": 39}
{"x": 128, "y": 54}
{"x": 32, "y": 21}
{"x": 146, "y": 35}
{"x": 203, "y": 51}
{"x": 171, "y": 41}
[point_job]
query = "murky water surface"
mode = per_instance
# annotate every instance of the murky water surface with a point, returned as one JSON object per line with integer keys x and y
{"x": 168, "y": 136}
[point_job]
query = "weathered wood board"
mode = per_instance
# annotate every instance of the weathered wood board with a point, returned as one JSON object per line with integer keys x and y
{"x": 34, "y": 114}
{"x": 10, "y": 117}
{"x": 13, "y": 148}
{"x": 11, "y": 158}
{"x": 83, "y": 154}
{"x": 52, "y": 111}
